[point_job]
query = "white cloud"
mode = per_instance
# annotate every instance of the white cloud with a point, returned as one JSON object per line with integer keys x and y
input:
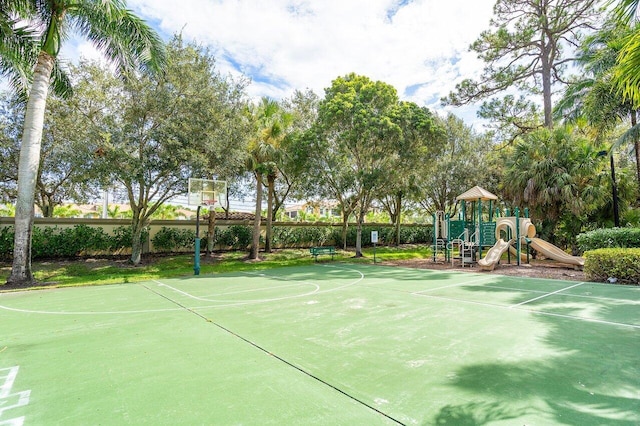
{"x": 418, "y": 46}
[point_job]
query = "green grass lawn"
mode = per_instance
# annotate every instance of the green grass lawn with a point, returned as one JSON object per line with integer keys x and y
{"x": 80, "y": 272}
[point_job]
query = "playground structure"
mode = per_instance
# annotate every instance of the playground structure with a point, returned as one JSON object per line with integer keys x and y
{"x": 464, "y": 239}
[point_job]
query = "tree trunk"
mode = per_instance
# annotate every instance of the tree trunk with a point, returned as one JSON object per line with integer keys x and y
{"x": 47, "y": 205}
{"x": 255, "y": 245}
{"x": 359, "y": 235}
{"x": 546, "y": 85}
{"x": 28, "y": 171}
{"x": 398, "y": 214}
{"x": 345, "y": 225}
{"x": 211, "y": 230}
{"x": 137, "y": 224}
{"x": 270, "y": 189}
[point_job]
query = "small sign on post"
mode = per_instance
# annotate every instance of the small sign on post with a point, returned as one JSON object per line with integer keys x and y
{"x": 374, "y": 240}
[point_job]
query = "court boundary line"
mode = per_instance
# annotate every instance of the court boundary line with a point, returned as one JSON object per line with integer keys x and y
{"x": 220, "y": 303}
{"x": 191, "y": 296}
{"x": 495, "y": 305}
{"x": 451, "y": 285}
{"x": 546, "y": 295}
{"x": 227, "y": 303}
{"x": 584, "y": 296}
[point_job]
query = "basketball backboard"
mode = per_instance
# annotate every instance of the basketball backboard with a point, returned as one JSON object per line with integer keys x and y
{"x": 207, "y": 192}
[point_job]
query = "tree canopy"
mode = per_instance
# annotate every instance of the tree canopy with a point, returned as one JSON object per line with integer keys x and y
{"x": 526, "y": 48}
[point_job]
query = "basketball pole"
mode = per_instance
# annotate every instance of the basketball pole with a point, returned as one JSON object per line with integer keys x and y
{"x": 196, "y": 260}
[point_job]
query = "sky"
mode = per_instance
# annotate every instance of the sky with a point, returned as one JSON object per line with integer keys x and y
{"x": 418, "y": 46}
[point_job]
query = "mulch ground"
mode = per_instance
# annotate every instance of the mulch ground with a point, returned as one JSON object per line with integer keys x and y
{"x": 535, "y": 269}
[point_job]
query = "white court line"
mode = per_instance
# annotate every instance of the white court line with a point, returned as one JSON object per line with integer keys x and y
{"x": 141, "y": 311}
{"x": 257, "y": 301}
{"x": 9, "y": 379}
{"x": 220, "y": 304}
{"x": 494, "y": 305}
{"x": 584, "y": 296}
{"x": 545, "y": 295}
{"x": 254, "y": 290}
{"x": 191, "y": 296}
{"x": 453, "y": 285}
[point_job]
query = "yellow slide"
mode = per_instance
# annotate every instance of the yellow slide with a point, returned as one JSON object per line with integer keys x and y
{"x": 494, "y": 254}
{"x": 555, "y": 253}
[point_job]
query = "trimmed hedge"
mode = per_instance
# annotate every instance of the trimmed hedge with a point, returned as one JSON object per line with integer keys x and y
{"x": 54, "y": 242}
{"x": 238, "y": 237}
{"x": 82, "y": 240}
{"x": 408, "y": 235}
{"x": 300, "y": 236}
{"x": 172, "y": 240}
{"x": 623, "y": 264}
{"x": 609, "y": 238}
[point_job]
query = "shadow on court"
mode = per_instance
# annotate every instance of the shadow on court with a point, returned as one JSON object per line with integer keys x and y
{"x": 594, "y": 380}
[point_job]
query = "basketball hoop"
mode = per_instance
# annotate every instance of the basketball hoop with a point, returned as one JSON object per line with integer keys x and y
{"x": 206, "y": 192}
{"x": 209, "y": 193}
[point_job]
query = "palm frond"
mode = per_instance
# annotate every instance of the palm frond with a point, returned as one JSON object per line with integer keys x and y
{"x": 19, "y": 46}
{"x": 627, "y": 72}
{"x": 625, "y": 11}
{"x": 628, "y": 138}
{"x": 122, "y": 37}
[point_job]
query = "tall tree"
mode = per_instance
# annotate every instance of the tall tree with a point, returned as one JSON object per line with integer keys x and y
{"x": 594, "y": 96}
{"x": 293, "y": 167}
{"x": 273, "y": 124}
{"x": 65, "y": 160}
{"x": 560, "y": 176}
{"x": 418, "y": 143}
{"x": 154, "y": 139}
{"x": 526, "y": 48}
{"x": 626, "y": 72}
{"x": 228, "y": 133}
{"x": 460, "y": 164}
{"x": 124, "y": 39}
{"x": 356, "y": 141}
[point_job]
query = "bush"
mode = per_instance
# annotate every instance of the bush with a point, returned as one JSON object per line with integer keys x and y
{"x": 6, "y": 243}
{"x": 68, "y": 242}
{"x": 300, "y": 236}
{"x": 609, "y": 238}
{"x": 171, "y": 239}
{"x": 53, "y": 242}
{"x": 123, "y": 237}
{"x": 236, "y": 236}
{"x": 623, "y": 264}
{"x": 408, "y": 235}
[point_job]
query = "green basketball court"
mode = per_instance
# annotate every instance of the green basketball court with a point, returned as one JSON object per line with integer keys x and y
{"x": 327, "y": 344}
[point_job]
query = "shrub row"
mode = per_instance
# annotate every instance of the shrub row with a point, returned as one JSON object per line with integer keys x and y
{"x": 52, "y": 242}
{"x": 300, "y": 236}
{"x": 172, "y": 239}
{"x": 237, "y": 237}
{"x": 290, "y": 236}
{"x": 609, "y": 238}
{"x": 620, "y": 264}
{"x": 386, "y": 235}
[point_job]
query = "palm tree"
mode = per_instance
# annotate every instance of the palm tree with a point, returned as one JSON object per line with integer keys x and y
{"x": 627, "y": 76}
{"x": 594, "y": 95}
{"x": 16, "y": 43}
{"x": 125, "y": 40}
{"x": 272, "y": 124}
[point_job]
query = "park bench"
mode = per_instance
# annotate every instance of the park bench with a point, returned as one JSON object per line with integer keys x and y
{"x": 317, "y": 251}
